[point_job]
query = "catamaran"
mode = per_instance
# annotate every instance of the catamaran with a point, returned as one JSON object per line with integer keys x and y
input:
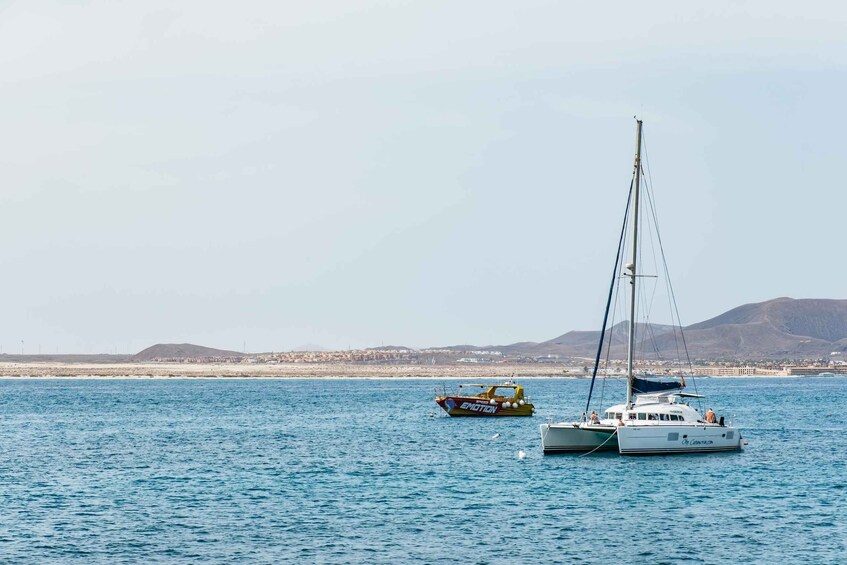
{"x": 657, "y": 415}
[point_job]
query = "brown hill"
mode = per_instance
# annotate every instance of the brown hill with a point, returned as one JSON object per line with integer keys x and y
{"x": 182, "y": 351}
{"x": 775, "y": 329}
{"x": 584, "y": 343}
{"x": 782, "y": 327}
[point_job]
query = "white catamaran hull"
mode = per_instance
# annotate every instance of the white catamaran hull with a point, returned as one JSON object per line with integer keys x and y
{"x": 655, "y": 418}
{"x": 566, "y": 437}
{"x": 657, "y": 439}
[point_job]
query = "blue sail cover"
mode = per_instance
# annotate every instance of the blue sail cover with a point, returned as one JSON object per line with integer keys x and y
{"x": 643, "y": 386}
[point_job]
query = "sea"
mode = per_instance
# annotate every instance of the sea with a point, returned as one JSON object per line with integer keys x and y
{"x": 370, "y": 471}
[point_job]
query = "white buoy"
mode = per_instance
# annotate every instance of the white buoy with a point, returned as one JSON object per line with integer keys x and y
{"x": 521, "y": 454}
{"x": 492, "y": 401}
{"x": 521, "y": 402}
{"x": 495, "y": 436}
{"x": 506, "y": 405}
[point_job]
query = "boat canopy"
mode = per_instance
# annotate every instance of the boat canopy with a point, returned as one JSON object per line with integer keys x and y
{"x": 645, "y": 386}
{"x": 491, "y": 387}
{"x": 496, "y": 391}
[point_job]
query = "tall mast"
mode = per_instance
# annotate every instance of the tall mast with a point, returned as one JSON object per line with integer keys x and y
{"x": 632, "y": 266}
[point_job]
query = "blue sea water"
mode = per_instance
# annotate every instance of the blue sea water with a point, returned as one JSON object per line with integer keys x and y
{"x": 359, "y": 471}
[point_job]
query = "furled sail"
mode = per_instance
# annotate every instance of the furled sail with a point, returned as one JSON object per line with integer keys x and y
{"x": 644, "y": 386}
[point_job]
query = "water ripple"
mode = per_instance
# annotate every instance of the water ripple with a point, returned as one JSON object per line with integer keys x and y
{"x": 350, "y": 471}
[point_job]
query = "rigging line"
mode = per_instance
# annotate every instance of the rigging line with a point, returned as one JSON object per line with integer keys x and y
{"x": 644, "y": 307}
{"x": 648, "y": 324}
{"x": 618, "y": 306}
{"x": 647, "y": 309}
{"x": 670, "y": 286}
{"x": 654, "y": 342}
{"x": 676, "y": 325}
{"x": 610, "y": 338}
{"x": 677, "y": 322}
{"x": 609, "y": 299}
{"x": 648, "y": 334}
{"x": 649, "y": 192}
{"x": 608, "y": 333}
{"x": 611, "y": 435}
{"x": 665, "y": 264}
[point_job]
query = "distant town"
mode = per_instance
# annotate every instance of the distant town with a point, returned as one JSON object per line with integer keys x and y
{"x": 835, "y": 365}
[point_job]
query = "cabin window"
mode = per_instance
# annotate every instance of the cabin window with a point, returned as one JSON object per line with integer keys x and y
{"x": 663, "y": 417}
{"x": 642, "y": 416}
{"x": 652, "y": 417}
{"x": 632, "y": 415}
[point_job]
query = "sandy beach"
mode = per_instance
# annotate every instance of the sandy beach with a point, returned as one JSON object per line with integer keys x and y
{"x": 484, "y": 373}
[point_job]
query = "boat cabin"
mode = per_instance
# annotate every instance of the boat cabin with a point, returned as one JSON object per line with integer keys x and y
{"x": 657, "y": 409}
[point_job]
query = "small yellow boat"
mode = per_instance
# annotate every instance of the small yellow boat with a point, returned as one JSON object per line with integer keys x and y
{"x": 506, "y": 399}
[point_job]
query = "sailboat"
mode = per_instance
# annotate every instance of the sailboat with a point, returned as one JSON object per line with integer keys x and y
{"x": 656, "y": 416}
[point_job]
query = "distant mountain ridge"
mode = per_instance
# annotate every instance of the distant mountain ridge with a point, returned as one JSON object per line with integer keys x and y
{"x": 782, "y": 328}
{"x": 774, "y": 329}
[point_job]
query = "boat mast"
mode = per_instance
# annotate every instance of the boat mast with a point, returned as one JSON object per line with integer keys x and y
{"x": 631, "y": 267}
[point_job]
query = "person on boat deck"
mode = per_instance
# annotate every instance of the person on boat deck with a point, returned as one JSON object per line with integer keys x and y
{"x": 594, "y": 418}
{"x": 710, "y": 417}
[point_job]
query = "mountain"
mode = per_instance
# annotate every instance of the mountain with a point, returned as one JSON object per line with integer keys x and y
{"x": 584, "y": 343}
{"x": 775, "y": 329}
{"x": 181, "y": 351}
{"x": 782, "y": 327}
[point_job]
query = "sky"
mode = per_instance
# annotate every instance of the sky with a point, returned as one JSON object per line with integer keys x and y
{"x": 262, "y": 176}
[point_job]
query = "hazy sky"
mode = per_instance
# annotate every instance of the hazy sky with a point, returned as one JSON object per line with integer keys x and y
{"x": 421, "y": 173}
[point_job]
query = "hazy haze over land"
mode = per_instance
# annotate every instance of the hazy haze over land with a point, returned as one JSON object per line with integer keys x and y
{"x": 424, "y": 173}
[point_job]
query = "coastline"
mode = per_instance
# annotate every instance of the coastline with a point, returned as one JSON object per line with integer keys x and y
{"x": 462, "y": 371}
{"x": 486, "y": 373}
